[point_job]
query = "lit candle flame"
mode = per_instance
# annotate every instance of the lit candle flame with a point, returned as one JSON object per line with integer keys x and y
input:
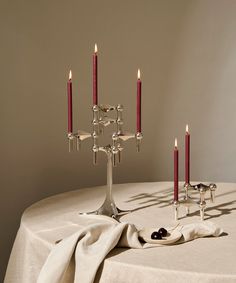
{"x": 70, "y": 75}
{"x": 176, "y": 144}
{"x": 186, "y": 128}
{"x": 139, "y": 75}
{"x": 95, "y": 48}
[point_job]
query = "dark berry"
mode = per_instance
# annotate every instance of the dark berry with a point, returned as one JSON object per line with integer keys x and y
{"x": 163, "y": 232}
{"x": 156, "y": 236}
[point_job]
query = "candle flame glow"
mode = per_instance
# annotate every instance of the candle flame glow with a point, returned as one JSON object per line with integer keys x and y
{"x": 70, "y": 75}
{"x": 187, "y": 128}
{"x": 176, "y": 143}
{"x": 139, "y": 74}
{"x": 95, "y": 48}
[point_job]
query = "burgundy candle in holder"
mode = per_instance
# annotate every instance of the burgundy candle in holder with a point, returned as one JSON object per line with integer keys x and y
{"x": 176, "y": 172}
{"x": 95, "y": 76}
{"x": 69, "y": 96}
{"x": 139, "y": 91}
{"x": 187, "y": 156}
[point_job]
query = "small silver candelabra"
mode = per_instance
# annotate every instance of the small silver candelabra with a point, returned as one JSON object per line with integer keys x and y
{"x": 189, "y": 201}
{"x": 113, "y": 151}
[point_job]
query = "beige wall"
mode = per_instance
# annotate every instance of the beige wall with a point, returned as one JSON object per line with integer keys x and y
{"x": 187, "y": 54}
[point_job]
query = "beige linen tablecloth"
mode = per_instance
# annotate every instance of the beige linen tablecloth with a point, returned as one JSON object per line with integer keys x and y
{"x": 203, "y": 260}
{"x": 90, "y": 245}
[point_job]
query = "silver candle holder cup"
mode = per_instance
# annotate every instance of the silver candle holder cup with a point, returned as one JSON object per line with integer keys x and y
{"x": 113, "y": 151}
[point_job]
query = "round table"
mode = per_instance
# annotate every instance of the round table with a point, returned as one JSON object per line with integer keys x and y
{"x": 202, "y": 260}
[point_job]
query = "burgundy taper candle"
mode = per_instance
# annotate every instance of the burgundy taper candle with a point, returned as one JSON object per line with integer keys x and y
{"x": 69, "y": 97}
{"x": 176, "y": 172}
{"x": 95, "y": 76}
{"x": 187, "y": 156}
{"x": 139, "y": 91}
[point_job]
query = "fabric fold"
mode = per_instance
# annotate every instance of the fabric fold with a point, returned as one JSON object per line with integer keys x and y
{"x": 89, "y": 247}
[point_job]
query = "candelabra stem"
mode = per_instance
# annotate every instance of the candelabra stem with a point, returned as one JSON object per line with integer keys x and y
{"x": 109, "y": 207}
{"x": 109, "y": 196}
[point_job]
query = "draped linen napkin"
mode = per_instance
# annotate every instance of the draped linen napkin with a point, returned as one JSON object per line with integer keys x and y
{"x": 86, "y": 249}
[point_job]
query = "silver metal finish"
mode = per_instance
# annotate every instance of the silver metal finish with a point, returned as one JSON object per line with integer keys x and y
{"x": 113, "y": 150}
{"x": 202, "y": 203}
{"x": 202, "y": 189}
{"x": 139, "y": 137}
{"x": 70, "y": 137}
{"x": 108, "y": 207}
{"x": 176, "y": 209}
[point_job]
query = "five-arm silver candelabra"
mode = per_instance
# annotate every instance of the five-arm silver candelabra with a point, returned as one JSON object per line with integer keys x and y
{"x": 189, "y": 201}
{"x": 113, "y": 151}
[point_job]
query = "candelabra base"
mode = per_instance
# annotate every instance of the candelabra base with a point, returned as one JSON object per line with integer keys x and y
{"x": 108, "y": 207}
{"x": 111, "y": 211}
